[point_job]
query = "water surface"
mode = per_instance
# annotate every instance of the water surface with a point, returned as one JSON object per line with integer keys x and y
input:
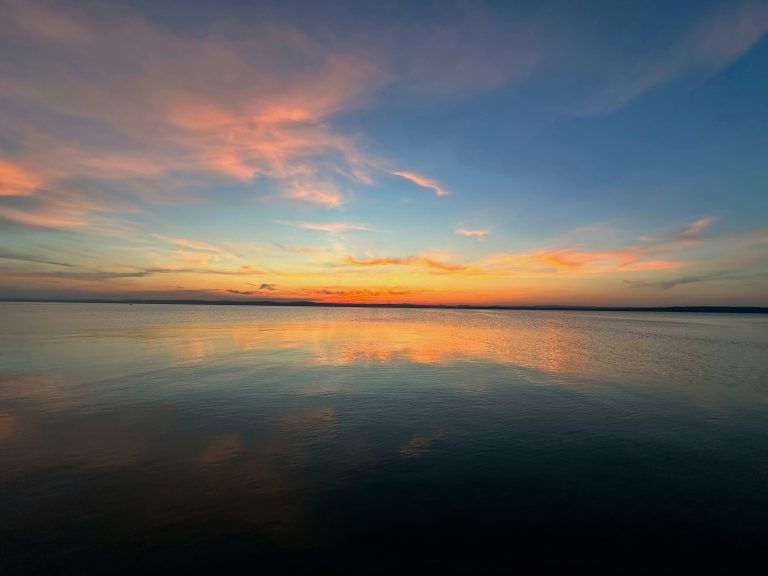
{"x": 321, "y": 440}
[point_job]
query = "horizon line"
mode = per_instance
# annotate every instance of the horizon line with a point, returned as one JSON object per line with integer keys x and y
{"x": 310, "y": 303}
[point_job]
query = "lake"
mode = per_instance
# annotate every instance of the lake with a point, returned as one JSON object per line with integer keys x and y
{"x": 229, "y": 439}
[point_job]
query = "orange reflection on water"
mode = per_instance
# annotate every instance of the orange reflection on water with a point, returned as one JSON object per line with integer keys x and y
{"x": 374, "y": 338}
{"x": 7, "y": 425}
{"x": 332, "y": 337}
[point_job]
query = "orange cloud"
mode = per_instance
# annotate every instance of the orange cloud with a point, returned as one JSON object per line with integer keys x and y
{"x": 419, "y": 261}
{"x": 571, "y": 258}
{"x": 623, "y": 259}
{"x": 582, "y": 261}
{"x": 423, "y": 181}
{"x": 361, "y": 295}
{"x": 16, "y": 180}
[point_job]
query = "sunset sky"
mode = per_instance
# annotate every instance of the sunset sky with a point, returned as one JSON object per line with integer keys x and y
{"x": 603, "y": 153}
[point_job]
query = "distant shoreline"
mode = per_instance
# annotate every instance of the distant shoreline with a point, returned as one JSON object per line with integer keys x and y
{"x": 705, "y": 309}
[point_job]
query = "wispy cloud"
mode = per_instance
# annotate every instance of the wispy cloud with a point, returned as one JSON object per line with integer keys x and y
{"x": 300, "y": 249}
{"x": 631, "y": 258}
{"x": 248, "y": 106}
{"x": 44, "y": 217}
{"x": 130, "y": 272}
{"x": 190, "y": 244}
{"x": 693, "y": 230}
{"x": 323, "y": 193}
{"x": 330, "y": 228}
{"x": 22, "y": 257}
{"x": 245, "y": 270}
{"x": 566, "y": 260}
{"x": 84, "y": 275}
{"x": 423, "y": 181}
{"x": 67, "y": 210}
{"x": 663, "y": 251}
{"x": 581, "y": 261}
{"x": 262, "y": 288}
{"x": 16, "y": 180}
{"x": 717, "y": 40}
{"x": 721, "y": 276}
{"x": 39, "y": 20}
{"x": 418, "y": 261}
{"x": 363, "y": 294}
{"x": 242, "y": 107}
{"x": 479, "y": 234}
{"x": 476, "y": 50}
{"x": 690, "y": 233}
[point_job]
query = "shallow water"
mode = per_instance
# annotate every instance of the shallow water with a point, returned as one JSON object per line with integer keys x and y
{"x": 333, "y": 440}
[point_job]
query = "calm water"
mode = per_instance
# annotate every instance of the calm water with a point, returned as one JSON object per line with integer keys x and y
{"x": 356, "y": 441}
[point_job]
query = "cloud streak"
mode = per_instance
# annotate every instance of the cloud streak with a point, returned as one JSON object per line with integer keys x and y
{"x": 10, "y": 255}
{"x": 580, "y": 261}
{"x": 413, "y": 261}
{"x": 191, "y": 244}
{"x": 721, "y": 276}
{"x": 322, "y": 193}
{"x": 693, "y": 231}
{"x": 15, "y": 180}
{"x": 423, "y": 182}
{"x": 716, "y": 41}
{"x": 131, "y": 272}
{"x": 330, "y": 228}
{"x": 347, "y": 295}
{"x": 251, "y": 107}
{"x": 479, "y": 234}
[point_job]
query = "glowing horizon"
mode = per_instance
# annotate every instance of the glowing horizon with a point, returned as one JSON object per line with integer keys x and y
{"x": 345, "y": 153}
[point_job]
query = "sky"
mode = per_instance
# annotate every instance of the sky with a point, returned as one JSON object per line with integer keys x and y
{"x": 510, "y": 153}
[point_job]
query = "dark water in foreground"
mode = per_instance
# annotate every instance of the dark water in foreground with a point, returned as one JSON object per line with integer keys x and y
{"x": 185, "y": 439}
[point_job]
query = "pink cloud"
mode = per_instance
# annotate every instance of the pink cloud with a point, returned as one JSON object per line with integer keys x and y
{"x": 479, "y": 234}
{"x": 693, "y": 230}
{"x": 176, "y": 111}
{"x": 16, "y": 180}
{"x": 423, "y": 181}
{"x": 48, "y": 218}
{"x": 84, "y": 208}
{"x": 25, "y": 17}
{"x": 323, "y": 193}
{"x": 240, "y": 106}
{"x": 330, "y": 228}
